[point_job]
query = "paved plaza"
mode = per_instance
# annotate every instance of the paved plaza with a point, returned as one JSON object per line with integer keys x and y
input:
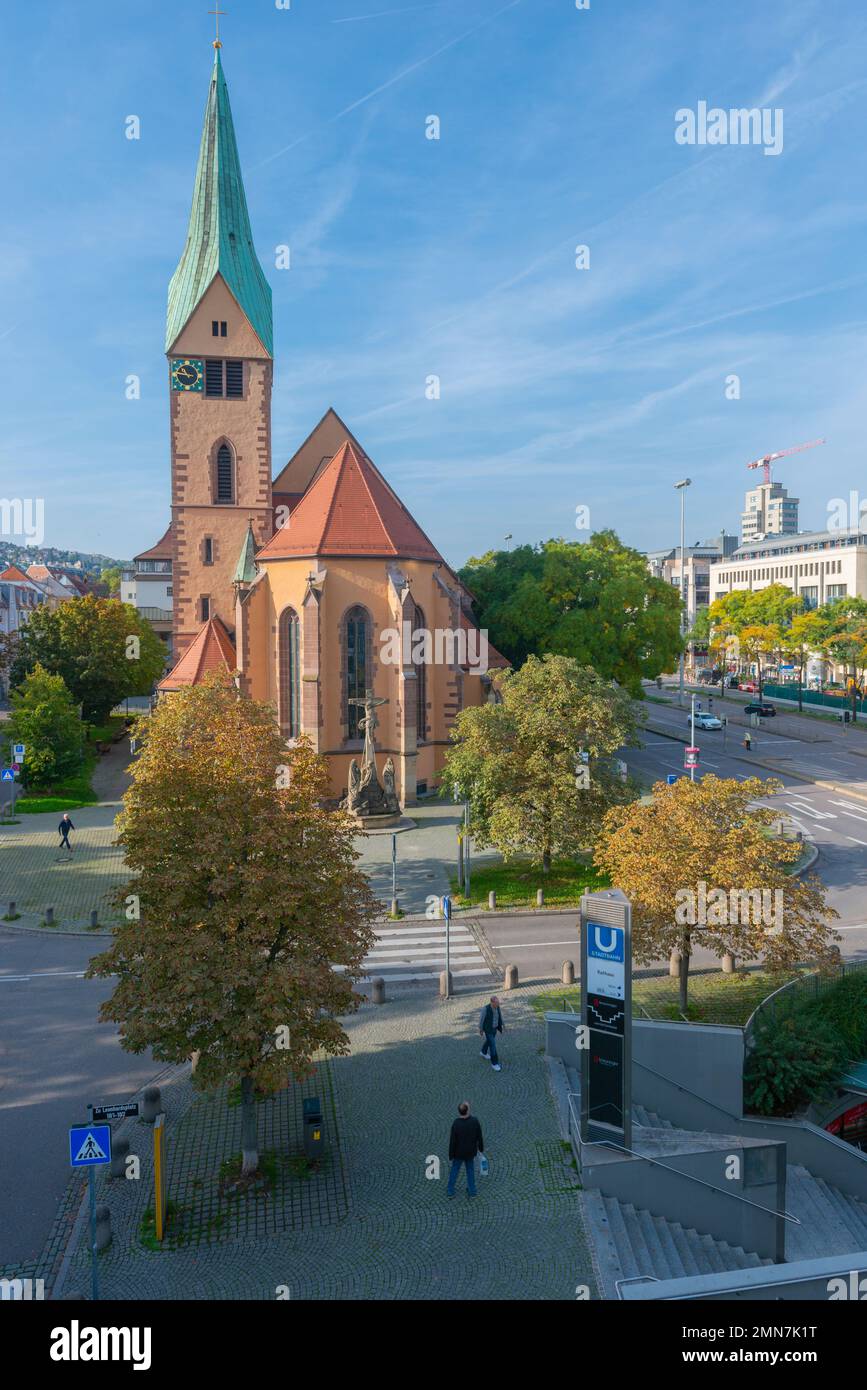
{"x": 384, "y": 1230}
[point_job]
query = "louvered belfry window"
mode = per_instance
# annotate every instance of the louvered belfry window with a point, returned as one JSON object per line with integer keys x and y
{"x": 225, "y": 474}
{"x": 224, "y": 378}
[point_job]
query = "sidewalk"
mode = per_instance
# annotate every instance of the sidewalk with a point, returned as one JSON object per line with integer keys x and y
{"x": 399, "y": 1236}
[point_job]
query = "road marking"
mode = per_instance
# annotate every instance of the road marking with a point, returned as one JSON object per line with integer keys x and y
{"x": 426, "y": 975}
{"x": 856, "y": 842}
{"x": 805, "y": 809}
{"x": 531, "y": 945}
{"x": 857, "y": 812}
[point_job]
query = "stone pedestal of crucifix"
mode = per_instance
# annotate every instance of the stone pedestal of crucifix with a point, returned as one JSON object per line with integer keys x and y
{"x": 373, "y": 804}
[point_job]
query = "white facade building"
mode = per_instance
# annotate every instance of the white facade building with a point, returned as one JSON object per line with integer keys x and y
{"x": 818, "y": 565}
{"x": 148, "y": 587}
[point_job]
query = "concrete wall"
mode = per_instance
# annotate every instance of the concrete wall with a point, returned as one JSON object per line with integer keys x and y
{"x": 712, "y": 1206}
{"x": 830, "y": 1279}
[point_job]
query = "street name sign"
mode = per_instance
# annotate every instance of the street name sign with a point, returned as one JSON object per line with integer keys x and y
{"x": 125, "y": 1110}
{"x": 89, "y": 1145}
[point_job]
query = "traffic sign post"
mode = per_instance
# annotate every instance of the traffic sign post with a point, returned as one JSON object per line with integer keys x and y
{"x": 690, "y": 760}
{"x": 671, "y": 778}
{"x": 90, "y": 1147}
{"x": 447, "y": 913}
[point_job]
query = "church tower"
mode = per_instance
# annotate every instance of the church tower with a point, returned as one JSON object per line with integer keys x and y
{"x": 219, "y": 343}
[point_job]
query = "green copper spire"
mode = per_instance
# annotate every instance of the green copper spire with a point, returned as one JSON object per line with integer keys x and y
{"x": 245, "y": 570}
{"x": 219, "y": 239}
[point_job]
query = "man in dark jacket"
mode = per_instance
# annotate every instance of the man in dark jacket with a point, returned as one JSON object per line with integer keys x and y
{"x": 490, "y": 1024}
{"x": 465, "y": 1141}
{"x": 64, "y": 827}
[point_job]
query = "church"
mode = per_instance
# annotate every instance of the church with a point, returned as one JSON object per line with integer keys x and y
{"x": 312, "y": 586}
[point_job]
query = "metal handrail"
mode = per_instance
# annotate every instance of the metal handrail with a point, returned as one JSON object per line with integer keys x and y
{"x": 621, "y": 1148}
{"x": 635, "y": 1279}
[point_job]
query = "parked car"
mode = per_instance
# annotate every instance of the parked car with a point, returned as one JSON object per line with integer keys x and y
{"x": 703, "y": 720}
{"x": 731, "y": 682}
{"x": 759, "y": 707}
{"x": 749, "y": 686}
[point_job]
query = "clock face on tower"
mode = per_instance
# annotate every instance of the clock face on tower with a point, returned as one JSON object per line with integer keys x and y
{"x": 187, "y": 374}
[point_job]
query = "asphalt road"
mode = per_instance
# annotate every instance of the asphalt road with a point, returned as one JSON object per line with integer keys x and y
{"x": 54, "y": 1060}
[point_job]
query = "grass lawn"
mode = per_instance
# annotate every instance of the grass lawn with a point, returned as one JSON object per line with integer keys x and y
{"x": 74, "y": 790}
{"x": 515, "y": 883}
{"x": 713, "y": 996}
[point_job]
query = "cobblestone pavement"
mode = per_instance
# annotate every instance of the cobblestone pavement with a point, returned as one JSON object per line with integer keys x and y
{"x": 412, "y": 1060}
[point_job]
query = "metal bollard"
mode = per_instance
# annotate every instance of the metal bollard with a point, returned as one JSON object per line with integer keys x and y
{"x": 540, "y": 897}
{"x": 568, "y": 975}
{"x": 395, "y": 907}
{"x": 378, "y": 990}
{"x": 11, "y": 910}
{"x": 511, "y": 980}
{"x": 94, "y": 917}
{"x": 103, "y": 1228}
{"x": 674, "y": 963}
{"x": 151, "y": 1104}
{"x": 119, "y": 1154}
{"x": 492, "y": 900}
{"x": 49, "y": 916}
{"x": 445, "y": 984}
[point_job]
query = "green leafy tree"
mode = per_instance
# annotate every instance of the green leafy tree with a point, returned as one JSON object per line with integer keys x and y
{"x": 104, "y": 651}
{"x": 594, "y": 602}
{"x": 45, "y": 718}
{"x": 791, "y": 1065}
{"x": 110, "y": 577}
{"x": 660, "y": 852}
{"x": 247, "y": 896}
{"x": 518, "y": 761}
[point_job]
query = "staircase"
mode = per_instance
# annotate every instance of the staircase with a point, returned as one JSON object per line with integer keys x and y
{"x": 632, "y": 1243}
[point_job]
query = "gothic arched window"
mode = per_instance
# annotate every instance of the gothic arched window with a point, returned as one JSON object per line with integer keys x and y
{"x": 224, "y": 489}
{"x": 289, "y": 659}
{"x": 357, "y": 665}
{"x": 420, "y": 681}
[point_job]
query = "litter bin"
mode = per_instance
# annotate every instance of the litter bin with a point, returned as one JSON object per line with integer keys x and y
{"x": 313, "y": 1128}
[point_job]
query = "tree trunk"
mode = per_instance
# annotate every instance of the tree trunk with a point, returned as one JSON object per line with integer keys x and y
{"x": 683, "y": 978}
{"x": 249, "y": 1130}
{"x": 546, "y": 861}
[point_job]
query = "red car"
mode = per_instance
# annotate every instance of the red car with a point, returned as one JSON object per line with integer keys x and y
{"x": 749, "y": 686}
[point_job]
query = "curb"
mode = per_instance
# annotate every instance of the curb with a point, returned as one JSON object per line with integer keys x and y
{"x": 93, "y": 935}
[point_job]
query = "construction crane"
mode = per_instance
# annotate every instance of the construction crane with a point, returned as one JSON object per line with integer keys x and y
{"x": 768, "y": 459}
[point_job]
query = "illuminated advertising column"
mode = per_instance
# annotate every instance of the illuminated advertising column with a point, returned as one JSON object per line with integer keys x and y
{"x": 606, "y": 1011}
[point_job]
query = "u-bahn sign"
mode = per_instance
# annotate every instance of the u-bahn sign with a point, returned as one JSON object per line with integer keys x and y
{"x": 606, "y": 1010}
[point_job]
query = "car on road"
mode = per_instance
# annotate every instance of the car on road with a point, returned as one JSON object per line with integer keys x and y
{"x": 759, "y": 707}
{"x": 749, "y": 686}
{"x": 703, "y": 720}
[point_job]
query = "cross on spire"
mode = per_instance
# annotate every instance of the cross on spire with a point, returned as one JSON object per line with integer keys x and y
{"x": 217, "y": 14}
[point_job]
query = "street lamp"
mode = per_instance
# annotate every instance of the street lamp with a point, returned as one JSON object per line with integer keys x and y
{"x": 681, "y": 488}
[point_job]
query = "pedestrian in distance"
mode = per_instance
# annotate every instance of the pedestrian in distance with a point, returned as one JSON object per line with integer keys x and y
{"x": 490, "y": 1024}
{"x": 465, "y": 1141}
{"x": 64, "y": 827}
{"x": 748, "y": 742}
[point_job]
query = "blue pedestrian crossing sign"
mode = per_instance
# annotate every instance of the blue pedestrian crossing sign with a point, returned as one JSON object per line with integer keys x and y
{"x": 89, "y": 1145}
{"x": 7, "y": 774}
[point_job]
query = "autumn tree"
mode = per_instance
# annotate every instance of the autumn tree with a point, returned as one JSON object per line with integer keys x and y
{"x": 45, "y": 719}
{"x": 104, "y": 650}
{"x": 681, "y": 855}
{"x": 518, "y": 761}
{"x": 593, "y": 601}
{"x": 246, "y": 898}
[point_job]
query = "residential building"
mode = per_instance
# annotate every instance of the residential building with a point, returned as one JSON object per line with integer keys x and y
{"x": 147, "y": 585}
{"x": 19, "y": 597}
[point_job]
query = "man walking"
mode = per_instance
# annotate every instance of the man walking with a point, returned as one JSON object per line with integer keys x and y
{"x": 64, "y": 827}
{"x": 465, "y": 1141}
{"x": 490, "y": 1024}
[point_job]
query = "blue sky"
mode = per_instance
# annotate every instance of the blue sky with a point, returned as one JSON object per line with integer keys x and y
{"x": 455, "y": 258}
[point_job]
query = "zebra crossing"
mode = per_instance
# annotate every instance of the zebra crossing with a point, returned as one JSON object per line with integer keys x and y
{"x": 417, "y": 951}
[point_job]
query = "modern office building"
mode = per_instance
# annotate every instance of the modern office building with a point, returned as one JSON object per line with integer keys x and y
{"x": 769, "y": 511}
{"x": 697, "y": 562}
{"x": 818, "y": 565}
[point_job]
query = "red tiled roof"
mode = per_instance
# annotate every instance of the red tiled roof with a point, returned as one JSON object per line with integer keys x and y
{"x": 212, "y": 649}
{"x": 161, "y": 551}
{"x": 13, "y": 572}
{"x": 350, "y": 510}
